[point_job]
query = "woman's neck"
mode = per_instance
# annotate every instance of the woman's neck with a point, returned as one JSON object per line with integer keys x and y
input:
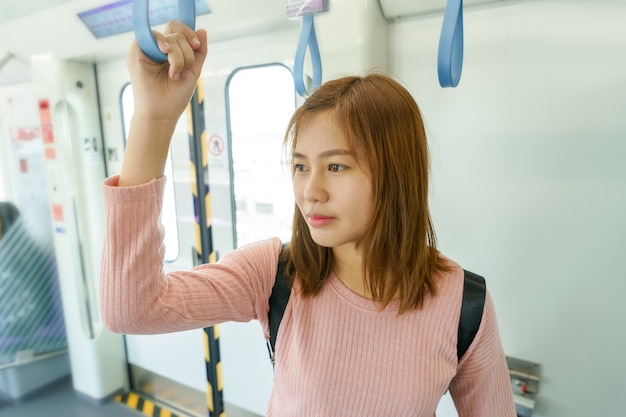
{"x": 348, "y": 267}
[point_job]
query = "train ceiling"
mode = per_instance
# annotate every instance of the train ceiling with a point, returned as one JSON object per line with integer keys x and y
{"x": 37, "y": 26}
{"x": 33, "y": 27}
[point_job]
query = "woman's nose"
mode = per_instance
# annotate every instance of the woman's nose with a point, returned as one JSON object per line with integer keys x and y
{"x": 316, "y": 189}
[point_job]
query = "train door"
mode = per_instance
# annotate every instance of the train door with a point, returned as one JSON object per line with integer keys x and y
{"x": 260, "y": 100}
{"x": 66, "y": 98}
{"x": 171, "y": 368}
{"x": 33, "y": 342}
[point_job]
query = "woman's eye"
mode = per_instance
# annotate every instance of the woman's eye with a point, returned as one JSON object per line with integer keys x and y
{"x": 336, "y": 167}
{"x": 299, "y": 167}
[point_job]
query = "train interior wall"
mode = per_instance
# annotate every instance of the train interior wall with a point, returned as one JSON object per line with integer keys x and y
{"x": 528, "y": 183}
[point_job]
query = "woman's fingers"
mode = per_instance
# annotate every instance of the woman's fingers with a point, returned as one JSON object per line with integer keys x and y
{"x": 183, "y": 48}
{"x": 180, "y": 55}
{"x": 201, "y": 51}
{"x": 174, "y": 26}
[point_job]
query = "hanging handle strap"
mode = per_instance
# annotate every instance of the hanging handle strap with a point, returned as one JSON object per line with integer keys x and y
{"x": 450, "y": 55}
{"x": 143, "y": 32}
{"x": 307, "y": 40}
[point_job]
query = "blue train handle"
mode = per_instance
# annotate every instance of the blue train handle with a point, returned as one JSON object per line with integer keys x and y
{"x": 143, "y": 31}
{"x": 450, "y": 53}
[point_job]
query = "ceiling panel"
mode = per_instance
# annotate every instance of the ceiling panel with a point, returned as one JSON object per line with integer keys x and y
{"x": 14, "y": 9}
{"x": 55, "y": 27}
{"x": 396, "y": 9}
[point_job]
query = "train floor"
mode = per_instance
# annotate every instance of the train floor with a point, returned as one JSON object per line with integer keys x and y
{"x": 60, "y": 400}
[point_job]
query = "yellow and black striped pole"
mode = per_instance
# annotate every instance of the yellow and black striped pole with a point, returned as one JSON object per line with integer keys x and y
{"x": 146, "y": 406}
{"x": 203, "y": 251}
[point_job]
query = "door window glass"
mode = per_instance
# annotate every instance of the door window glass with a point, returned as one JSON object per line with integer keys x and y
{"x": 260, "y": 101}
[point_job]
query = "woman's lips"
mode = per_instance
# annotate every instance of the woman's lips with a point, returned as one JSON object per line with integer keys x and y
{"x": 318, "y": 220}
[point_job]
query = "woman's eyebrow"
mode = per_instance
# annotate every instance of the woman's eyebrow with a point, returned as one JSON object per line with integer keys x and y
{"x": 330, "y": 152}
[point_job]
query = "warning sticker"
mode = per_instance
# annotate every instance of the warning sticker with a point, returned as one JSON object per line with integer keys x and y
{"x": 46, "y": 121}
{"x": 216, "y": 145}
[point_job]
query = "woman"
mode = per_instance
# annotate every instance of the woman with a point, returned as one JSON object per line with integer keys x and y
{"x": 371, "y": 325}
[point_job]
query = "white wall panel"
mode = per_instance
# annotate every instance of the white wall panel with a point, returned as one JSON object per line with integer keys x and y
{"x": 529, "y": 182}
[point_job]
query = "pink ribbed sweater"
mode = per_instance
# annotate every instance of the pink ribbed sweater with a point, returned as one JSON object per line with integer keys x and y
{"x": 336, "y": 355}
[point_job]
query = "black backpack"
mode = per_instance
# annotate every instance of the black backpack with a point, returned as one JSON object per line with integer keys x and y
{"x": 474, "y": 289}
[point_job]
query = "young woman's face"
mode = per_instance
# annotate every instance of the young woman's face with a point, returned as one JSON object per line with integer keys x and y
{"x": 333, "y": 192}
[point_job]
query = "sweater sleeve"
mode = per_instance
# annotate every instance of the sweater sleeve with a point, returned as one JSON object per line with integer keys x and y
{"x": 482, "y": 386}
{"x": 139, "y": 297}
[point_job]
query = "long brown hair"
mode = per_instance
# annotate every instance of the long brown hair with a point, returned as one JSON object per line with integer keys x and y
{"x": 385, "y": 130}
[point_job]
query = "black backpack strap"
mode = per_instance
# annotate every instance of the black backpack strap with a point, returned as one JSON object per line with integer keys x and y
{"x": 474, "y": 290}
{"x": 278, "y": 302}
